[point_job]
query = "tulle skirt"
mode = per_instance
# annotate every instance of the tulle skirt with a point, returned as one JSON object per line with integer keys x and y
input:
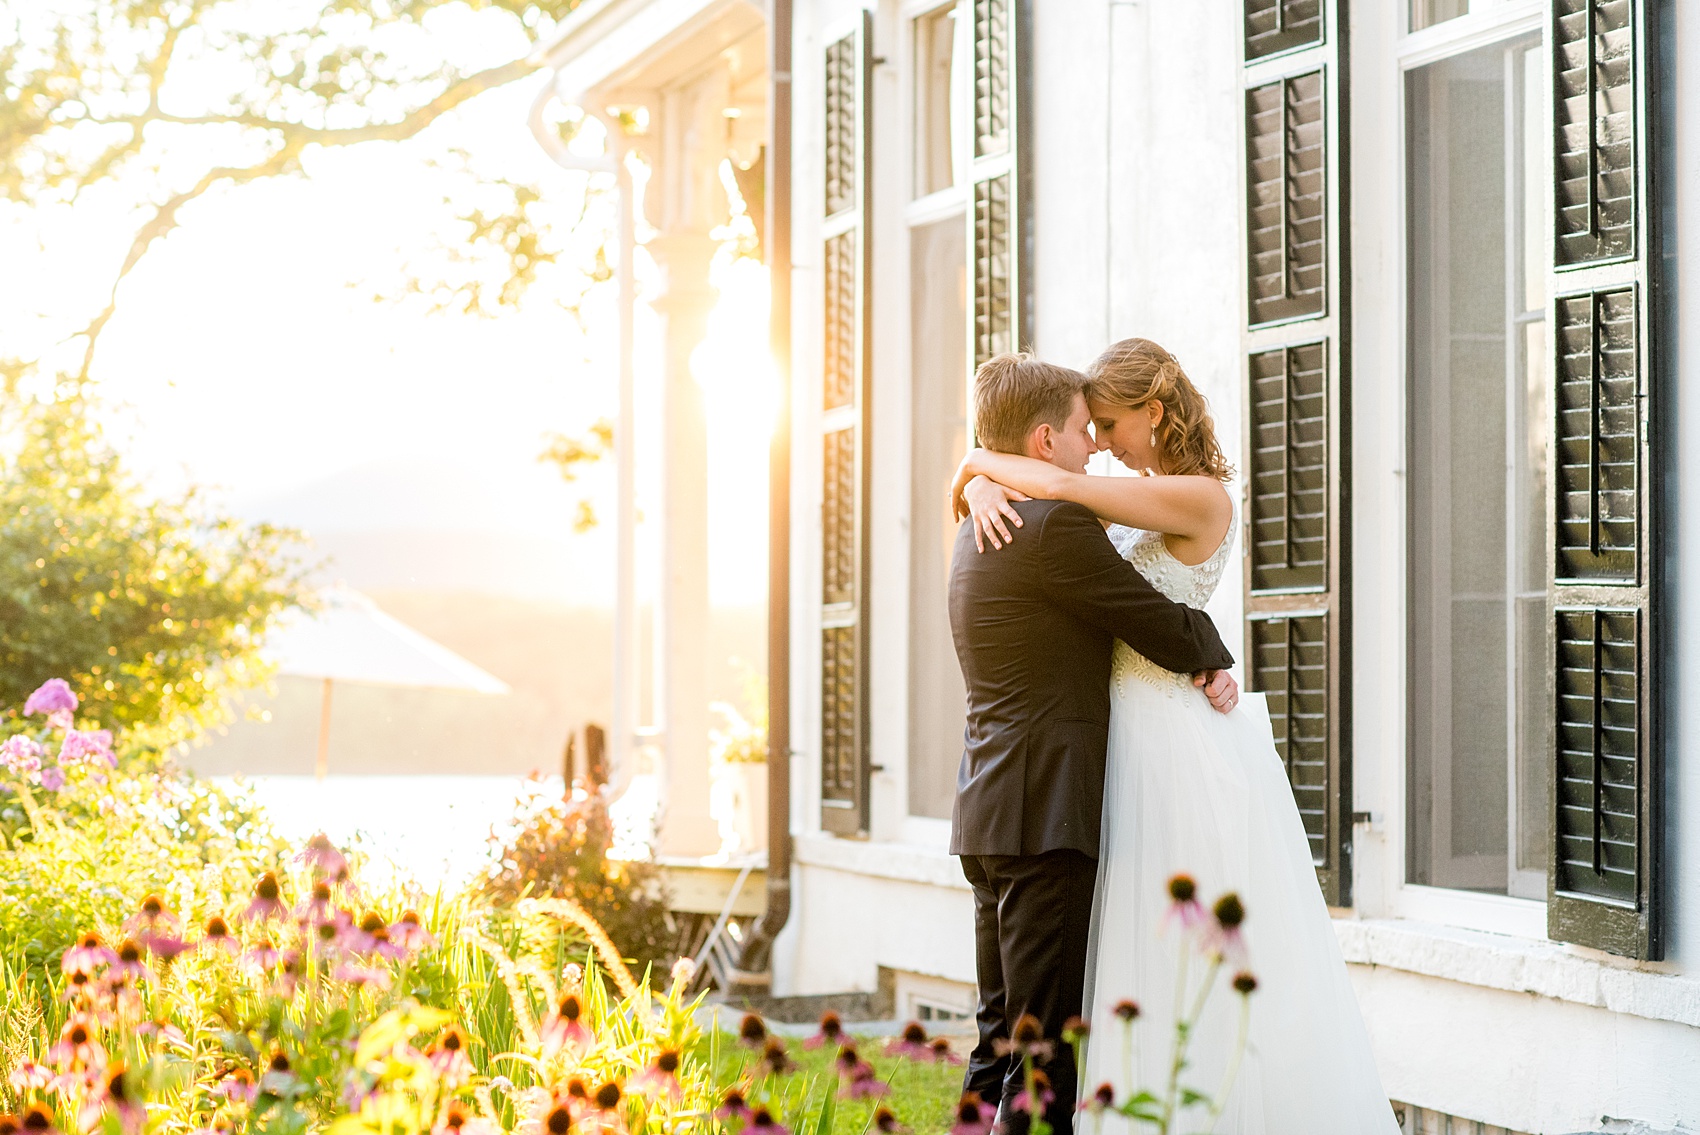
{"x": 1190, "y": 790}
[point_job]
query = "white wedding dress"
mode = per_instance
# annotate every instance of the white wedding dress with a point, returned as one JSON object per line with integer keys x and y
{"x": 1190, "y": 790}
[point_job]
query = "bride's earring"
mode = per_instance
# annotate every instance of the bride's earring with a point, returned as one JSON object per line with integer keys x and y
{"x": 1153, "y": 439}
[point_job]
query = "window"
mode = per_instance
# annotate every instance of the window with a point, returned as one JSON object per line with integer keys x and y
{"x": 1480, "y": 416}
{"x": 937, "y": 351}
{"x": 939, "y": 49}
{"x": 1427, "y": 13}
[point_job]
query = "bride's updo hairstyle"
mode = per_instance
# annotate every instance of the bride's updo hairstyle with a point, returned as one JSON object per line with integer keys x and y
{"x": 1136, "y": 372}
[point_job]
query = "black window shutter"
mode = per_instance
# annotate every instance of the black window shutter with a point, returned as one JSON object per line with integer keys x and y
{"x": 1296, "y": 497}
{"x": 1000, "y": 217}
{"x": 844, "y": 437}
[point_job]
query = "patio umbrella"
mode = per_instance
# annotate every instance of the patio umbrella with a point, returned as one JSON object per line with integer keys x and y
{"x": 350, "y": 640}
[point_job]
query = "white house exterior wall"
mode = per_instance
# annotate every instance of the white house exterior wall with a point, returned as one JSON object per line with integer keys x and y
{"x": 1136, "y": 145}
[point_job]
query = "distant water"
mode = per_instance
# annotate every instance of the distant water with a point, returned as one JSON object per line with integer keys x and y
{"x": 430, "y": 829}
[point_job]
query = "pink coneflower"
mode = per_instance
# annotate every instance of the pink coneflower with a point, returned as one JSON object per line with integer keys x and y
{"x": 114, "y": 1099}
{"x": 37, "y": 1119}
{"x": 78, "y": 1048}
{"x": 752, "y": 1033}
{"x": 216, "y": 934}
{"x": 448, "y": 1057}
{"x": 22, "y": 755}
{"x": 164, "y": 1033}
{"x": 558, "y": 1118}
{"x": 267, "y": 902}
{"x": 886, "y": 1122}
{"x": 323, "y": 859}
{"x": 659, "y": 1079}
{"x": 317, "y": 906}
{"x": 93, "y": 747}
{"x": 775, "y": 1061}
{"x": 8, "y": 1124}
{"x": 459, "y": 1120}
{"x": 279, "y": 1075}
{"x": 1099, "y": 1101}
{"x": 237, "y": 1085}
{"x": 973, "y": 1116}
{"x": 1223, "y": 938}
{"x": 605, "y": 1117}
{"x": 88, "y": 955}
{"x": 1126, "y": 1012}
{"x": 130, "y": 963}
{"x": 733, "y": 1106}
{"x": 831, "y": 1031}
{"x": 564, "y": 1030}
{"x": 166, "y": 947}
{"x": 1245, "y": 984}
{"x": 29, "y": 1076}
{"x": 1184, "y": 907}
{"x": 911, "y": 1042}
{"x": 941, "y": 1053}
{"x": 763, "y": 1123}
{"x": 153, "y": 915}
{"x": 858, "y": 1078}
{"x": 1041, "y": 1088}
{"x": 361, "y": 975}
{"x": 1028, "y": 1039}
{"x": 52, "y": 696}
{"x": 1075, "y": 1030}
{"x": 409, "y": 932}
{"x": 262, "y": 956}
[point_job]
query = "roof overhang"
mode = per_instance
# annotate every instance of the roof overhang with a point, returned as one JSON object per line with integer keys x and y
{"x": 611, "y": 47}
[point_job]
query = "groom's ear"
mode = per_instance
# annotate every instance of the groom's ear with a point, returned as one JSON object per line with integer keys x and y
{"x": 1042, "y": 442}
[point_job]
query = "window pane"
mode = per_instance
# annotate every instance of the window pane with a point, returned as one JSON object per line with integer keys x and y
{"x": 937, "y": 93}
{"x": 1427, "y": 13}
{"x": 1460, "y": 616}
{"x": 938, "y": 371}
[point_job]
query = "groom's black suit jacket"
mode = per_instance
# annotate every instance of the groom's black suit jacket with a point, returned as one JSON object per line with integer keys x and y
{"x": 1035, "y": 623}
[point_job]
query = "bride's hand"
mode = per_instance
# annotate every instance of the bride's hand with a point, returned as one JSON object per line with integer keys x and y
{"x": 987, "y": 503}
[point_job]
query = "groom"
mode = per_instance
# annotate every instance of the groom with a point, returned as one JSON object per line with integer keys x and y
{"x": 1034, "y": 624}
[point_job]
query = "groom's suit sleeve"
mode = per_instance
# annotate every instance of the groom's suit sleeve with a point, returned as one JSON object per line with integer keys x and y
{"x": 1082, "y": 573}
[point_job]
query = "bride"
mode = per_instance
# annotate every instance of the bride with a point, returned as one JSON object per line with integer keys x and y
{"x": 1193, "y": 791}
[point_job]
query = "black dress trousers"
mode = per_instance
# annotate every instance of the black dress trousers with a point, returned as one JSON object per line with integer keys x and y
{"x": 1032, "y": 916}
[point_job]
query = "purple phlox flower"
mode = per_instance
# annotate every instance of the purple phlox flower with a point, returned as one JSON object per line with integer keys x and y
{"x": 1100, "y": 1100}
{"x": 130, "y": 964}
{"x": 37, "y": 1119}
{"x": 831, "y": 1031}
{"x": 661, "y": 1078}
{"x": 29, "y": 1076}
{"x": 1184, "y": 907}
{"x": 1222, "y": 938}
{"x": 216, "y": 935}
{"x": 279, "y": 1075}
{"x": 237, "y": 1085}
{"x": 448, "y": 1057}
{"x": 22, "y": 755}
{"x": 356, "y": 974}
{"x": 733, "y": 1106}
{"x": 93, "y": 747}
{"x": 165, "y": 1034}
{"x": 52, "y": 696}
{"x": 51, "y": 778}
{"x": 911, "y": 1042}
{"x": 973, "y": 1116}
{"x": 564, "y": 1030}
{"x": 89, "y": 954}
{"x": 409, "y": 932}
{"x": 61, "y": 719}
{"x": 114, "y": 1098}
{"x": 267, "y": 902}
{"x": 152, "y": 914}
{"x": 323, "y": 859}
{"x": 459, "y": 1120}
{"x": 1028, "y": 1039}
{"x": 763, "y": 1123}
{"x": 1041, "y": 1089}
{"x": 78, "y": 1048}
{"x": 886, "y": 1122}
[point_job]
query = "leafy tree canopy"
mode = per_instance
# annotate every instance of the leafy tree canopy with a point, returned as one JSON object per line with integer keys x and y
{"x": 151, "y": 609}
{"x": 169, "y": 99}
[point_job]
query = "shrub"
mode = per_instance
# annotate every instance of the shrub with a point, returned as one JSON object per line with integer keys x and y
{"x": 561, "y": 850}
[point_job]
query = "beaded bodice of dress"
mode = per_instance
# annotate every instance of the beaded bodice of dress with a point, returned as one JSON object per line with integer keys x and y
{"x": 1192, "y": 585}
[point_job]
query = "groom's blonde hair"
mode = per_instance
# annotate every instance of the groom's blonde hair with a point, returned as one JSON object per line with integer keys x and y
{"x": 1016, "y": 393}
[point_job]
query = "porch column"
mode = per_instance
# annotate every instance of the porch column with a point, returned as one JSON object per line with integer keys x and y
{"x": 692, "y": 203}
